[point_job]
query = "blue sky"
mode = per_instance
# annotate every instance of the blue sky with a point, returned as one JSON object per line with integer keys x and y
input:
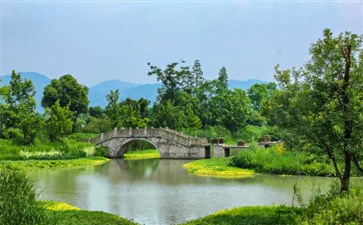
{"x": 96, "y": 40}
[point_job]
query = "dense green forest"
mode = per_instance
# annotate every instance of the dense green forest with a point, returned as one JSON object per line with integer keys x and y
{"x": 316, "y": 108}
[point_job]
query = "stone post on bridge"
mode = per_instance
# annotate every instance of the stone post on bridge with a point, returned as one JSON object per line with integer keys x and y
{"x": 145, "y": 131}
{"x": 130, "y": 131}
{"x": 115, "y": 131}
{"x": 101, "y": 136}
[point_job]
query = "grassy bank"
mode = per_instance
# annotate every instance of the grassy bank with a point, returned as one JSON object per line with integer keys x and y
{"x": 217, "y": 167}
{"x": 63, "y": 214}
{"x": 277, "y": 161}
{"x": 61, "y": 163}
{"x": 252, "y": 215}
{"x": 66, "y": 149}
{"x": 142, "y": 154}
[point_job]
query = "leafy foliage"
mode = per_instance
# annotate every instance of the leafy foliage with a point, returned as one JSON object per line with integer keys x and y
{"x": 18, "y": 204}
{"x": 277, "y": 161}
{"x": 68, "y": 92}
{"x": 60, "y": 122}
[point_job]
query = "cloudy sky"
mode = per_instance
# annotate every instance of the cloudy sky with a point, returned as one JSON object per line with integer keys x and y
{"x": 97, "y": 40}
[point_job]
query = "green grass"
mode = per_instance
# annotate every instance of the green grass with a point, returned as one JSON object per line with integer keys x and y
{"x": 251, "y": 215}
{"x": 65, "y": 163}
{"x": 334, "y": 208}
{"x": 217, "y": 167}
{"x": 275, "y": 161}
{"x": 142, "y": 154}
{"x": 66, "y": 149}
{"x": 60, "y": 213}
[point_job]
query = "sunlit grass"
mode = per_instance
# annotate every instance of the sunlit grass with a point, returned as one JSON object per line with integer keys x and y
{"x": 252, "y": 215}
{"x": 142, "y": 154}
{"x": 59, "y": 206}
{"x": 64, "y": 163}
{"x": 217, "y": 167}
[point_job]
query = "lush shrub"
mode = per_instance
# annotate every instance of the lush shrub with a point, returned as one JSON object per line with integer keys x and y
{"x": 211, "y": 132}
{"x": 101, "y": 151}
{"x": 98, "y": 125}
{"x": 249, "y": 133}
{"x": 18, "y": 204}
{"x": 82, "y": 136}
{"x": 334, "y": 208}
{"x": 66, "y": 149}
{"x": 276, "y": 160}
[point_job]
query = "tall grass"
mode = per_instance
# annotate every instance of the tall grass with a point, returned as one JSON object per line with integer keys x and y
{"x": 277, "y": 161}
{"x": 334, "y": 208}
{"x": 67, "y": 149}
{"x": 18, "y": 204}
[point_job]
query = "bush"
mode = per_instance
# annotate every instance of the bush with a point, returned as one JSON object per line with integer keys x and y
{"x": 211, "y": 132}
{"x": 98, "y": 125}
{"x": 278, "y": 161}
{"x": 334, "y": 208}
{"x": 101, "y": 151}
{"x": 249, "y": 133}
{"x": 18, "y": 204}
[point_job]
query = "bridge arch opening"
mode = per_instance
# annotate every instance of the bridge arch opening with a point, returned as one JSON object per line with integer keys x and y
{"x": 138, "y": 148}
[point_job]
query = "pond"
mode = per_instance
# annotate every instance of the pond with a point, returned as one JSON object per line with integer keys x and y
{"x": 154, "y": 191}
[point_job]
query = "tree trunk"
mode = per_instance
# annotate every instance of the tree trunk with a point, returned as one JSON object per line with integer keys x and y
{"x": 348, "y": 124}
{"x": 344, "y": 181}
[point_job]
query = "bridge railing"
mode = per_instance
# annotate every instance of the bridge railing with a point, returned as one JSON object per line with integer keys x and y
{"x": 146, "y": 132}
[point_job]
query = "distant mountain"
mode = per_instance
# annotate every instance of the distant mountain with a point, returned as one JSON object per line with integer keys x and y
{"x": 97, "y": 93}
{"x": 246, "y": 84}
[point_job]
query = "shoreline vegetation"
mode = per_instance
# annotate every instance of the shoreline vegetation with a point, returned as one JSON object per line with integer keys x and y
{"x": 217, "y": 167}
{"x": 56, "y": 163}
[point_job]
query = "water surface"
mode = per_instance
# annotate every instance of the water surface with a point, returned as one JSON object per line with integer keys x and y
{"x": 155, "y": 191}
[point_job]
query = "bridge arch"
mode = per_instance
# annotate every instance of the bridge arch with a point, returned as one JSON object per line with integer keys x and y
{"x": 170, "y": 144}
{"x": 121, "y": 149}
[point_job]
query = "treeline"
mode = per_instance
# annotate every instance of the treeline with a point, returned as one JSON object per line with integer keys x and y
{"x": 186, "y": 102}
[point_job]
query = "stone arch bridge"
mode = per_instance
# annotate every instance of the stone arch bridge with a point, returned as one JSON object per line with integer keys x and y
{"x": 170, "y": 144}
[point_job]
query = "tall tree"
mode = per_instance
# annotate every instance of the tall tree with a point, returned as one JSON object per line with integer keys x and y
{"x": 20, "y": 108}
{"x": 222, "y": 81}
{"x": 68, "y": 92}
{"x": 173, "y": 80}
{"x": 113, "y": 109}
{"x": 322, "y": 103}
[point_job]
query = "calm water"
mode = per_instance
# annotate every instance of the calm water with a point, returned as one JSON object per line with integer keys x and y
{"x": 161, "y": 192}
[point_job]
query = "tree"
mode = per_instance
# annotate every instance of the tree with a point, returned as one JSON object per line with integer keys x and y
{"x": 231, "y": 109}
{"x": 19, "y": 110}
{"x": 134, "y": 113}
{"x": 60, "y": 122}
{"x": 68, "y": 92}
{"x": 96, "y": 112}
{"x": 113, "y": 109}
{"x": 173, "y": 80}
{"x": 259, "y": 92}
{"x": 322, "y": 103}
{"x": 222, "y": 81}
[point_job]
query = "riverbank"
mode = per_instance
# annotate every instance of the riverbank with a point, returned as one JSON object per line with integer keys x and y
{"x": 216, "y": 167}
{"x": 277, "y": 160}
{"x": 251, "y": 215}
{"x": 142, "y": 154}
{"x": 60, "y": 163}
{"x": 64, "y": 214}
